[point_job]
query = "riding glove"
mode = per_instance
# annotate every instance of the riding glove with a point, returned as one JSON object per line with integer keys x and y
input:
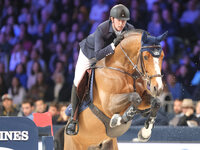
{"x": 118, "y": 39}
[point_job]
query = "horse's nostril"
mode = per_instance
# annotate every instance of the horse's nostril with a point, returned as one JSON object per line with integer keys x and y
{"x": 148, "y": 86}
{"x": 155, "y": 89}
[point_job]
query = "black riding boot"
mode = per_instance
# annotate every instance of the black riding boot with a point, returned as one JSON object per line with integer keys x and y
{"x": 72, "y": 125}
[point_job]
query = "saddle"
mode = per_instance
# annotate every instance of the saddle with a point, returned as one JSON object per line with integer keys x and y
{"x": 82, "y": 92}
{"x": 84, "y": 84}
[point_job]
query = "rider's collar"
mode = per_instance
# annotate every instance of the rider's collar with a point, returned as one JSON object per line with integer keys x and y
{"x": 116, "y": 32}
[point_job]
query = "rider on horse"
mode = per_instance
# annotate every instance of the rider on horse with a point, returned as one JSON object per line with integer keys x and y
{"x": 95, "y": 47}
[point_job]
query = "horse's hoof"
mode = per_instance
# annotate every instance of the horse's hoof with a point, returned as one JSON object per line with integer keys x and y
{"x": 115, "y": 120}
{"x": 141, "y": 138}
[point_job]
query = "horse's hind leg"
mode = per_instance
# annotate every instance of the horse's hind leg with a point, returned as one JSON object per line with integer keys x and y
{"x": 145, "y": 133}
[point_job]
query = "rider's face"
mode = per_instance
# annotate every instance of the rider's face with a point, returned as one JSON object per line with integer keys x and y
{"x": 118, "y": 24}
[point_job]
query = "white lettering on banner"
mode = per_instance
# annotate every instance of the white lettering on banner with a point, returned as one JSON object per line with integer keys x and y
{"x": 14, "y": 135}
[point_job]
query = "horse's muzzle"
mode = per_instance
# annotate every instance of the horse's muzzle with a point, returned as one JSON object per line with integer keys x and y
{"x": 155, "y": 90}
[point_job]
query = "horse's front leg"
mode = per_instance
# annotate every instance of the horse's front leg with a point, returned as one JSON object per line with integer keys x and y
{"x": 145, "y": 133}
{"x": 135, "y": 100}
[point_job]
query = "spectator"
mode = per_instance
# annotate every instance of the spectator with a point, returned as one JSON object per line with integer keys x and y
{"x": 3, "y": 86}
{"x": 16, "y": 56}
{"x": 177, "y": 112}
{"x": 9, "y": 35}
{"x": 96, "y": 13}
{"x": 35, "y": 57}
{"x": 198, "y": 111}
{"x": 11, "y": 22}
{"x": 73, "y": 34}
{"x": 189, "y": 118}
{"x": 22, "y": 17}
{"x": 56, "y": 56}
{"x": 40, "y": 106}
{"x": 76, "y": 7}
{"x": 62, "y": 118}
{"x": 27, "y": 109}
{"x": 46, "y": 20}
{"x": 31, "y": 26}
{"x": 184, "y": 76}
{"x": 154, "y": 9}
{"x": 173, "y": 37}
{"x": 3, "y": 72}
{"x": 43, "y": 52}
{"x": 174, "y": 87}
{"x": 53, "y": 109}
{"x": 36, "y": 68}
{"x": 53, "y": 36}
{"x": 25, "y": 38}
{"x": 196, "y": 93}
{"x": 40, "y": 34}
{"x": 60, "y": 68}
{"x": 49, "y": 6}
{"x": 38, "y": 90}
{"x": 17, "y": 91}
{"x": 5, "y": 46}
{"x": 20, "y": 73}
{"x": 64, "y": 23}
{"x": 187, "y": 20}
{"x": 7, "y": 108}
{"x": 190, "y": 14}
{"x": 195, "y": 55}
{"x": 137, "y": 20}
{"x": 83, "y": 23}
{"x": 63, "y": 39}
{"x": 59, "y": 91}
{"x": 176, "y": 10}
{"x": 154, "y": 26}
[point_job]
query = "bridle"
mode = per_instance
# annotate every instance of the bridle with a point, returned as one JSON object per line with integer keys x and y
{"x": 137, "y": 73}
{"x": 142, "y": 73}
{"x": 146, "y": 48}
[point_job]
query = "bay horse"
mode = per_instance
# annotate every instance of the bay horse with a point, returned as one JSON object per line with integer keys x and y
{"x": 135, "y": 67}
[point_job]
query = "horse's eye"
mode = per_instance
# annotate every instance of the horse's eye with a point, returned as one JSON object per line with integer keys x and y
{"x": 146, "y": 57}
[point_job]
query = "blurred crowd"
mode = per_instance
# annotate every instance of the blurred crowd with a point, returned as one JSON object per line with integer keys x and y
{"x": 39, "y": 46}
{"x": 29, "y": 107}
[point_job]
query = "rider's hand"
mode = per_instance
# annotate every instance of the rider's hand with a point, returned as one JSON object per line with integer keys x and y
{"x": 118, "y": 39}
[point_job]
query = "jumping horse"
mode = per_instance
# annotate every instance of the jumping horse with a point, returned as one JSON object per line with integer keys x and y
{"x": 125, "y": 83}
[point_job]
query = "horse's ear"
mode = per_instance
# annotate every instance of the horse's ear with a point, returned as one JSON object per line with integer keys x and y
{"x": 144, "y": 37}
{"x": 162, "y": 37}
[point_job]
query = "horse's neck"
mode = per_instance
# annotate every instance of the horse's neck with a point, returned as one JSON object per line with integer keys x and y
{"x": 130, "y": 46}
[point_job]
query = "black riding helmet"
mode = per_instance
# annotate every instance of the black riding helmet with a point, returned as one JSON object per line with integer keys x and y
{"x": 120, "y": 12}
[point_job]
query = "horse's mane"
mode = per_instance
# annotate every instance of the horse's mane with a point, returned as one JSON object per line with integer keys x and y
{"x": 133, "y": 31}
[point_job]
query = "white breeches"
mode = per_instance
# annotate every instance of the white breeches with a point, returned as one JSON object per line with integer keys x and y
{"x": 83, "y": 63}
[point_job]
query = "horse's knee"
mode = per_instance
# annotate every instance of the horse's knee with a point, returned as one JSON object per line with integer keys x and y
{"x": 155, "y": 103}
{"x": 135, "y": 99}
